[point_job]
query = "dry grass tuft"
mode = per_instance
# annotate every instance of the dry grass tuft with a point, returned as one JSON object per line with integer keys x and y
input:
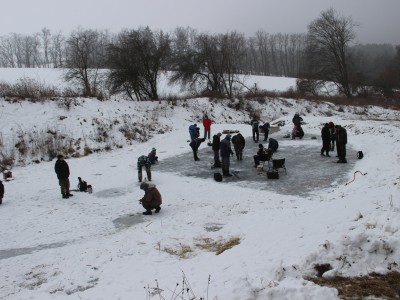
{"x": 375, "y": 285}
{"x": 182, "y": 251}
{"x": 228, "y": 245}
{"x": 217, "y": 246}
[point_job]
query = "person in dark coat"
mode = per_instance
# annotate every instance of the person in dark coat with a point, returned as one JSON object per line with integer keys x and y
{"x": 195, "y": 144}
{"x": 62, "y": 170}
{"x": 144, "y": 161}
{"x": 265, "y": 127}
{"x": 333, "y": 135}
{"x": 297, "y": 129}
{"x": 193, "y": 131}
{"x": 297, "y": 120}
{"x": 1, "y": 192}
{"x": 254, "y": 128}
{"x": 226, "y": 152}
{"x": 152, "y": 198}
{"x": 215, "y": 147}
{"x": 263, "y": 154}
{"x": 239, "y": 143}
{"x": 273, "y": 145}
{"x": 341, "y": 141}
{"x": 326, "y": 140}
{"x": 153, "y": 156}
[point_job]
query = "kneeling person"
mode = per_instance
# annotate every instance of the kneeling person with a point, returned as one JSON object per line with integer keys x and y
{"x": 151, "y": 199}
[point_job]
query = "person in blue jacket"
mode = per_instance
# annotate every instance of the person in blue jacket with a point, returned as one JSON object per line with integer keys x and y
{"x": 194, "y": 132}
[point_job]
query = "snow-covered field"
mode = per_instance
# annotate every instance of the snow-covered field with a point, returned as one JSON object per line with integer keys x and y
{"x": 100, "y": 246}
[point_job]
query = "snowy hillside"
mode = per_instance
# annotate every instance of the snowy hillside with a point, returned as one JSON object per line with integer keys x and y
{"x": 243, "y": 238}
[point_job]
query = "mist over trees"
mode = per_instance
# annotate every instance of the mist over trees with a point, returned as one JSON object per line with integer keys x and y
{"x": 135, "y": 58}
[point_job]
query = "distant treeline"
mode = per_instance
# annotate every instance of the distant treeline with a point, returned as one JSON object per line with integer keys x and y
{"x": 316, "y": 55}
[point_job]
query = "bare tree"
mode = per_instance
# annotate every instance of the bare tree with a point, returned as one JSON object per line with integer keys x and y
{"x": 57, "y": 50}
{"x": 46, "y": 35}
{"x": 213, "y": 61}
{"x": 81, "y": 60}
{"x": 135, "y": 61}
{"x": 329, "y": 38}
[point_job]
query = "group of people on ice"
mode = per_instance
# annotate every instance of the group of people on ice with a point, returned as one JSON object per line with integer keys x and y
{"x": 331, "y": 134}
{"x": 222, "y": 149}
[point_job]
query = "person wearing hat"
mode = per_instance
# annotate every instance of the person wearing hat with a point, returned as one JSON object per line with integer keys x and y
{"x": 153, "y": 156}
{"x": 215, "y": 147}
{"x": 152, "y": 198}
{"x": 194, "y": 132}
{"x": 263, "y": 154}
{"x": 62, "y": 170}
{"x": 226, "y": 152}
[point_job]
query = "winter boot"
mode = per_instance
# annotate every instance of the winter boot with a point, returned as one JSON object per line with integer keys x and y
{"x": 157, "y": 210}
{"x": 147, "y": 212}
{"x": 65, "y": 196}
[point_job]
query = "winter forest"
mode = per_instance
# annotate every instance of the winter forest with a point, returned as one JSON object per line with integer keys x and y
{"x": 328, "y": 52}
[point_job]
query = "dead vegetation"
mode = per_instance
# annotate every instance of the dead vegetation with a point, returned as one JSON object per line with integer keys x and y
{"x": 365, "y": 287}
{"x": 207, "y": 244}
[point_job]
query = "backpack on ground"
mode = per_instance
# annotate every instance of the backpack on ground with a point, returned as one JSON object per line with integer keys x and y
{"x": 218, "y": 177}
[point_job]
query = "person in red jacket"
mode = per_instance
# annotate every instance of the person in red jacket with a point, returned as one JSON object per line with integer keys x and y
{"x": 207, "y": 127}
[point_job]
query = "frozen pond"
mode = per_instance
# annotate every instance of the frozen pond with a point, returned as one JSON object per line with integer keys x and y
{"x": 307, "y": 170}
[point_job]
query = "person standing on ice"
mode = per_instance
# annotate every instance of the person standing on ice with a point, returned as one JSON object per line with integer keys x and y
{"x": 144, "y": 161}
{"x": 326, "y": 140}
{"x": 62, "y": 170}
{"x": 1, "y": 192}
{"x": 152, "y": 198}
{"x": 255, "y": 129}
{"x": 195, "y": 144}
{"x": 239, "y": 143}
{"x": 193, "y": 131}
{"x": 226, "y": 152}
{"x": 265, "y": 127}
{"x": 207, "y": 127}
{"x": 215, "y": 147}
{"x": 333, "y": 135}
{"x": 341, "y": 141}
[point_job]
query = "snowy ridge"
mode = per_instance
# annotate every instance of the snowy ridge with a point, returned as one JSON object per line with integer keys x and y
{"x": 100, "y": 246}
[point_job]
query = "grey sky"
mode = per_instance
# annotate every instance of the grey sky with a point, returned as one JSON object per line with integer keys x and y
{"x": 378, "y": 20}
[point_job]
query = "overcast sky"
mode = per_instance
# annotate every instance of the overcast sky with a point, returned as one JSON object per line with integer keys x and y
{"x": 379, "y": 20}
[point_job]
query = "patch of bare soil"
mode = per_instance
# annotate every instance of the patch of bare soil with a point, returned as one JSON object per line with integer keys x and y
{"x": 375, "y": 285}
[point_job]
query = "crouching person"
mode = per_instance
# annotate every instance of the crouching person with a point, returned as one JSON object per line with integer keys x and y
{"x": 151, "y": 199}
